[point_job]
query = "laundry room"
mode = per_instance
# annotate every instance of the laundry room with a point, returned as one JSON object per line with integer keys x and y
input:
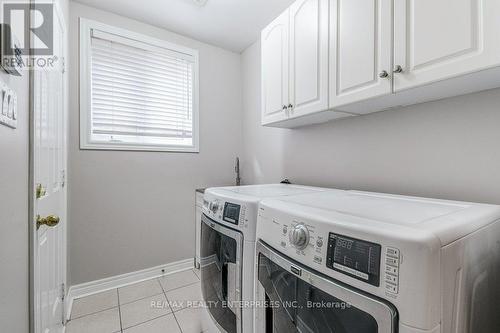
{"x": 249, "y": 166}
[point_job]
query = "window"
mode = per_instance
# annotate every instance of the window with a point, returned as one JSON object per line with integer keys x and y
{"x": 136, "y": 92}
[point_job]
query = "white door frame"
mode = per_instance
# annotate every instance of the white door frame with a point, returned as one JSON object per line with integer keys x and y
{"x": 32, "y": 229}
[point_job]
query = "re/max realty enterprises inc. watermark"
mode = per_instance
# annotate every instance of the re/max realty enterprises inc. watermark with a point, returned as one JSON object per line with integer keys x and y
{"x": 27, "y": 35}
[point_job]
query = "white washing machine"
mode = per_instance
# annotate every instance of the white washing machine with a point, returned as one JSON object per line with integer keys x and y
{"x": 229, "y": 217}
{"x": 365, "y": 262}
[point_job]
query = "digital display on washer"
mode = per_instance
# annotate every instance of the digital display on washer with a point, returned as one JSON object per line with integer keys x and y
{"x": 354, "y": 257}
{"x": 231, "y": 213}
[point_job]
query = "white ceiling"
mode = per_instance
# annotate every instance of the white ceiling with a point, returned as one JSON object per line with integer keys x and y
{"x": 230, "y": 24}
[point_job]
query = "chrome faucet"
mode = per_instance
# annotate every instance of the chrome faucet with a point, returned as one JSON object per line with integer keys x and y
{"x": 237, "y": 170}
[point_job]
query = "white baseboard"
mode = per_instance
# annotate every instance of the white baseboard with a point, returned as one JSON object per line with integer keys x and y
{"x": 97, "y": 286}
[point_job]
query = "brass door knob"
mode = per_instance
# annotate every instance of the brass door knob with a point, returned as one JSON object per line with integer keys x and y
{"x": 49, "y": 221}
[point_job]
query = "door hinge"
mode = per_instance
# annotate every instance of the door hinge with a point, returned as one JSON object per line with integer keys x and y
{"x": 40, "y": 191}
{"x": 63, "y": 178}
{"x": 63, "y": 310}
{"x": 63, "y": 291}
{"x": 63, "y": 65}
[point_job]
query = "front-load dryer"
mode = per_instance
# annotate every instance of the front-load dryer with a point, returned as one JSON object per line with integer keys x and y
{"x": 376, "y": 263}
{"x": 227, "y": 251}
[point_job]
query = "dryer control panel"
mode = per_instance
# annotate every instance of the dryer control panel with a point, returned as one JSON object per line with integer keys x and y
{"x": 231, "y": 213}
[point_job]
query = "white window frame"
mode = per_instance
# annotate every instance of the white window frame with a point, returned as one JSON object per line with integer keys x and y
{"x": 86, "y": 142}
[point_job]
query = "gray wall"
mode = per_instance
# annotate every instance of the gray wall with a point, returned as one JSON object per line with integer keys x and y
{"x": 14, "y": 281}
{"x": 134, "y": 210}
{"x": 444, "y": 149}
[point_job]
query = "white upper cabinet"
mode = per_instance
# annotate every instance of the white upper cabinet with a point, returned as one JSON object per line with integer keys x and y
{"x": 308, "y": 57}
{"x": 275, "y": 89}
{"x": 328, "y": 59}
{"x": 295, "y": 67}
{"x": 441, "y": 39}
{"x": 361, "y": 50}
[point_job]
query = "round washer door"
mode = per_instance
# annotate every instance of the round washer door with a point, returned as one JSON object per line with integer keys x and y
{"x": 220, "y": 258}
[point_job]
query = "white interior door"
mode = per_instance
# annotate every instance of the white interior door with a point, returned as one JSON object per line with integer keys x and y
{"x": 439, "y": 39}
{"x": 361, "y": 50}
{"x": 308, "y": 57}
{"x": 274, "y": 44}
{"x": 49, "y": 167}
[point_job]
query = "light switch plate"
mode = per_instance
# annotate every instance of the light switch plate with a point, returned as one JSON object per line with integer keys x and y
{"x": 8, "y": 106}
{"x": 11, "y": 59}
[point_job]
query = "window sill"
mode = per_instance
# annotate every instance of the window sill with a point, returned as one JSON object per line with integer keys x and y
{"x": 131, "y": 147}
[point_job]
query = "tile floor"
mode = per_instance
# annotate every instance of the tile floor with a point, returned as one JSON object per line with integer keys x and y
{"x": 165, "y": 304}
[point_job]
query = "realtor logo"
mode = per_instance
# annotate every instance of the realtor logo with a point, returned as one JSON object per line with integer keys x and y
{"x": 40, "y": 31}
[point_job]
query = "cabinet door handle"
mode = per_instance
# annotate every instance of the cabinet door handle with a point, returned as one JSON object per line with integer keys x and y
{"x": 398, "y": 69}
{"x": 383, "y": 75}
{"x": 284, "y": 107}
{"x": 290, "y": 106}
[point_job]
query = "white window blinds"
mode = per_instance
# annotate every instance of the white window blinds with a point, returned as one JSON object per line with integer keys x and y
{"x": 141, "y": 94}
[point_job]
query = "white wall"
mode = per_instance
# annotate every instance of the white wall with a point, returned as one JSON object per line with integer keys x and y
{"x": 445, "y": 149}
{"x": 14, "y": 279}
{"x": 134, "y": 210}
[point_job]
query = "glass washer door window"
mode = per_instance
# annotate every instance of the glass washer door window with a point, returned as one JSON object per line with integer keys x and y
{"x": 220, "y": 269}
{"x": 137, "y": 92}
{"x": 295, "y": 305}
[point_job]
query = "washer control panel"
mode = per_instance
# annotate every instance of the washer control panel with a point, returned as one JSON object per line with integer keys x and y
{"x": 392, "y": 260}
{"x": 356, "y": 258}
{"x": 302, "y": 239}
{"x": 334, "y": 251}
{"x": 299, "y": 236}
{"x": 362, "y": 260}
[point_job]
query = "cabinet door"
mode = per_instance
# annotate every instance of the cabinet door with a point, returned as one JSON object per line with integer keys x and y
{"x": 361, "y": 49}
{"x": 274, "y": 44}
{"x": 308, "y": 57}
{"x": 440, "y": 39}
